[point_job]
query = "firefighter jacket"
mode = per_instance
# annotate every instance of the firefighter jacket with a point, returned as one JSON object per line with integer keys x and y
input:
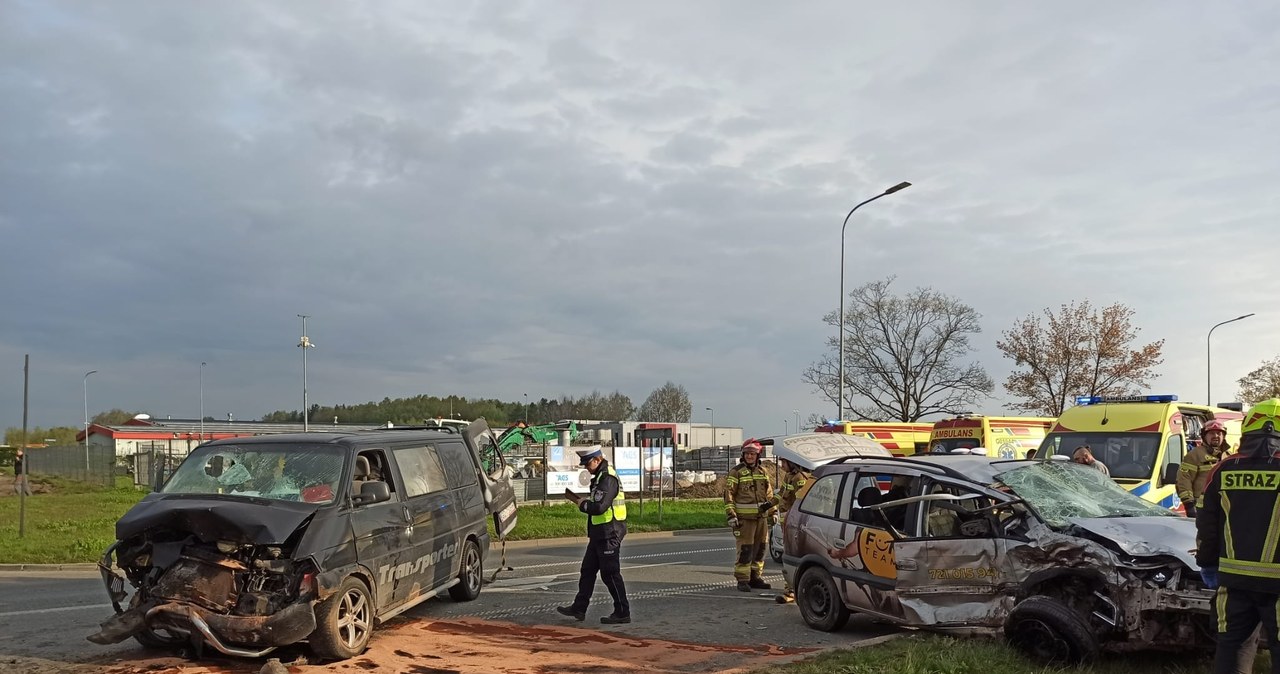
{"x": 789, "y": 490}
{"x": 605, "y": 506}
{"x": 745, "y": 489}
{"x": 1193, "y": 474}
{"x": 1239, "y": 523}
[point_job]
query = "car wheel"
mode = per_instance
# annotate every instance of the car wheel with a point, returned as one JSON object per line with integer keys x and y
{"x": 162, "y": 639}
{"x": 819, "y": 600}
{"x": 1050, "y": 631}
{"x": 470, "y": 576}
{"x": 344, "y": 622}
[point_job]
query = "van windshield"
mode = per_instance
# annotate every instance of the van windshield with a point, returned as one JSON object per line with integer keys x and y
{"x": 1128, "y": 456}
{"x": 1061, "y": 490}
{"x": 283, "y": 472}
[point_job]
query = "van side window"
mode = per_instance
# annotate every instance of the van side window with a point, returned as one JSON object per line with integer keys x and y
{"x": 459, "y": 468}
{"x": 1173, "y": 451}
{"x": 822, "y": 496}
{"x": 420, "y": 469}
{"x": 371, "y": 466}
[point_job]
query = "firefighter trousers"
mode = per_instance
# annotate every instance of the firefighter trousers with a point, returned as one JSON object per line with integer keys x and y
{"x": 752, "y": 537}
{"x": 603, "y": 557}
{"x": 1238, "y": 613}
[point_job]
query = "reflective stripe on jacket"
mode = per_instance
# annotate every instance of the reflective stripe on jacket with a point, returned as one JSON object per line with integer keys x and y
{"x": 607, "y": 502}
{"x": 1239, "y": 523}
{"x": 1193, "y": 473}
{"x": 789, "y": 490}
{"x": 745, "y": 489}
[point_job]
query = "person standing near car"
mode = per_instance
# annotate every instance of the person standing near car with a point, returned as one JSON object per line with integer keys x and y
{"x": 793, "y": 483}
{"x": 1238, "y": 529}
{"x": 1194, "y": 471}
{"x": 748, "y": 505}
{"x": 606, "y": 511}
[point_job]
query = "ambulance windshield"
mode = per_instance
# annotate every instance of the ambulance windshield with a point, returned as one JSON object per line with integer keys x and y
{"x": 1128, "y": 456}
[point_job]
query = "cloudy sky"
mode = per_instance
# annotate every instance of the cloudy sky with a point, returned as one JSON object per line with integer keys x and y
{"x": 494, "y": 199}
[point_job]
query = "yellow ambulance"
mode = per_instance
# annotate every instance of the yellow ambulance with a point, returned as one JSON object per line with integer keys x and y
{"x": 900, "y": 438}
{"x": 1140, "y": 439}
{"x": 1002, "y": 437}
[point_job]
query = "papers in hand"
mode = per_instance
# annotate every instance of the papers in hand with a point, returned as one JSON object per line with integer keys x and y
{"x": 568, "y": 493}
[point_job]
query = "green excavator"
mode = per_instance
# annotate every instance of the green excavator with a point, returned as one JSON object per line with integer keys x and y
{"x": 522, "y": 434}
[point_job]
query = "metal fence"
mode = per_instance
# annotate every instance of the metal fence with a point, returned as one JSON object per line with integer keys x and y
{"x": 94, "y": 465}
{"x": 154, "y": 462}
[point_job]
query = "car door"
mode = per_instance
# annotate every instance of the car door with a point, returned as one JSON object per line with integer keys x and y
{"x": 868, "y": 552}
{"x": 380, "y": 530}
{"x": 960, "y": 556}
{"x": 495, "y": 477}
{"x": 433, "y": 521}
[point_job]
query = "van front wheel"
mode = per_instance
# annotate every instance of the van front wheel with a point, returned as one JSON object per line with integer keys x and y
{"x": 470, "y": 575}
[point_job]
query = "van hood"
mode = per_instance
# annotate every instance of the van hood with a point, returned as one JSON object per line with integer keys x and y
{"x": 1145, "y": 536}
{"x": 211, "y": 519}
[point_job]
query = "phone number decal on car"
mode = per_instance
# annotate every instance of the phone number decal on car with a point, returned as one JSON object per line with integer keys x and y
{"x": 968, "y": 572}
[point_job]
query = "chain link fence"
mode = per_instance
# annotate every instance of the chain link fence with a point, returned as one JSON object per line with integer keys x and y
{"x": 94, "y": 465}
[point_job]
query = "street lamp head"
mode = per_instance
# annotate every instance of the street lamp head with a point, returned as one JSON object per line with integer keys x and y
{"x": 1244, "y": 317}
{"x": 897, "y": 188}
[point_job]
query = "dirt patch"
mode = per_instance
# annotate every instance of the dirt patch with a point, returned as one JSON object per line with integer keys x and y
{"x": 474, "y": 646}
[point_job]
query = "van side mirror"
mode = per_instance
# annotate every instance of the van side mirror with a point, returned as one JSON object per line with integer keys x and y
{"x": 374, "y": 491}
{"x": 1171, "y": 474}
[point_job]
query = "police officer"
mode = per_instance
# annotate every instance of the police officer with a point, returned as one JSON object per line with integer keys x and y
{"x": 793, "y": 484}
{"x": 748, "y": 507}
{"x": 1238, "y": 530}
{"x": 1193, "y": 473}
{"x": 606, "y": 512}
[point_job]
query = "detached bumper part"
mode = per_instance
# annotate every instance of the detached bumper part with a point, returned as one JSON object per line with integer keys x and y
{"x": 262, "y": 633}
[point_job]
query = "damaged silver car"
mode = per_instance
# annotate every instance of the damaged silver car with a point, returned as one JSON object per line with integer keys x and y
{"x": 256, "y": 543}
{"x": 1053, "y": 555}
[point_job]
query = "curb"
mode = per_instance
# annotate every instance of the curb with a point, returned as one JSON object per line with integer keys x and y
{"x": 49, "y": 567}
{"x": 556, "y": 542}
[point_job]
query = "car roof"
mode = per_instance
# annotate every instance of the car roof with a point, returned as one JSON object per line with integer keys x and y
{"x": 968, "y": 467}
{"x": 371, "y": 436}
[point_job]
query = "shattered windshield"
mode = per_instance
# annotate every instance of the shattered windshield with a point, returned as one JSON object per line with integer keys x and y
{"x": 280, "y": 472}
{"x": 1060, "y": 490}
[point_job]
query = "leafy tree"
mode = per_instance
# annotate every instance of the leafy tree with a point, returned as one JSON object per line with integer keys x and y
{"x": 60, "y": 435}
{"x": 1262, "y": 383}
{"x": 902, "y": 355}
{"x": 669, "y": 404}
{"x": 113, "y": 417}
{"x": 612, "y": 407}
{"x": 1077, "y": 350}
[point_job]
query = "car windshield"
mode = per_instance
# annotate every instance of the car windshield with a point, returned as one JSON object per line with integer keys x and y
{"x": 1128, "y": 456}
{"x": 1060, "y": 490}
{"x": 291, "y": 472}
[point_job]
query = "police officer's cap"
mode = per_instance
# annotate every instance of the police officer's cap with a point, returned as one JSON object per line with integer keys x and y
{"x": 586, "y": 455}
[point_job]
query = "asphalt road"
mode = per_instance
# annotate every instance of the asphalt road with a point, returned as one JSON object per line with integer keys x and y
{"x": 680, "y": 588}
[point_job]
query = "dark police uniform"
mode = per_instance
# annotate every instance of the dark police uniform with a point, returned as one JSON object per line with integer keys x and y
{"x": 606, "y": 512}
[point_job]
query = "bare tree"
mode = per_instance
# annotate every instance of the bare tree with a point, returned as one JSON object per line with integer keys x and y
{"x": 902, "y": 355}
{"x": 1262, "y": 383}
{"x": 1077, "y": 350}
{"x": 596, "y": 405}
{"x": 668, "y": 403}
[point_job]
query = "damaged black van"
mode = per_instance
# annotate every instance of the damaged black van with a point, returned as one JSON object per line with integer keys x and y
{"x": 256, "y": 543}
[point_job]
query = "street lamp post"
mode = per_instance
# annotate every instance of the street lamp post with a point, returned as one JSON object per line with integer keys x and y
{"x": 1208, "y": 359}
{"x": 202, "y": 364}
{"x": 840, "y": 320}
{"x": 86, "y": 422}
{"x": 526, "y": 409}
{"x": 714, "y": 439}
{"x": 786, "y": 427}
{"x": 305, "y": 344}
{"x": 797, "y": 413}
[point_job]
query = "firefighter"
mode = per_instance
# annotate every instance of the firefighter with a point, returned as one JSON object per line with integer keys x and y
{"x": 793, "y": 484}
{"x": 749, "y": 508}
{"x": 1193, "y": 474}
{"x": 606, "y": 511}
{"x": 1238, "y": 529}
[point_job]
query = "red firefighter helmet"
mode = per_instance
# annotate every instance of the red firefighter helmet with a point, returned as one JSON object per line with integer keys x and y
{"x": 1213, "y": 425}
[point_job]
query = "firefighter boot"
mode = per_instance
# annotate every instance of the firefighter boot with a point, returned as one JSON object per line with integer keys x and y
{"x": 758, "y": 583}
{"x": 744, "y": 586}
{"x": 785, "y": 598}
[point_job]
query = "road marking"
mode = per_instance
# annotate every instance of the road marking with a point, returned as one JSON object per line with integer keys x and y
{"x": 55, "y": 610}
{"x": 678, "y": 591}
{"x": 628, "y": 558}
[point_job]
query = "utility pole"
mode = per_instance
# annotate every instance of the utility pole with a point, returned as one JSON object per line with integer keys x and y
{"x": 305, "y": 344}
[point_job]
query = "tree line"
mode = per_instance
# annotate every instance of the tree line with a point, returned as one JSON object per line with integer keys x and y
{"x": 907, "y": 356}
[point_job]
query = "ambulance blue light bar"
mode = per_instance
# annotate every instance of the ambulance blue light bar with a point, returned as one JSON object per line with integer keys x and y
{"x": 1098, "y": 400}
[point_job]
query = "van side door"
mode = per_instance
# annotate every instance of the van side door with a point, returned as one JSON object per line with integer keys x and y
{"x": 495, "y": 476}
{"x": 433, "y": 522}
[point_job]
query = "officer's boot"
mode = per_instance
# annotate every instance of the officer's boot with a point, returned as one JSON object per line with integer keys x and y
{"x": 758, "y": 583}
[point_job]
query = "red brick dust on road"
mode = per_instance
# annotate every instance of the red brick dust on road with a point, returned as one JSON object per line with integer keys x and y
{"x": 475, "y": 646}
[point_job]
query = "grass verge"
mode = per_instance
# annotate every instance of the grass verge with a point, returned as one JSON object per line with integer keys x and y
{"x": 75, "y": 522}
{"x": 933, "y": 654}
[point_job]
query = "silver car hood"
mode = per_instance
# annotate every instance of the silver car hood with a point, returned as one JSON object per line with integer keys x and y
{"x": 1146, "y": 536}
